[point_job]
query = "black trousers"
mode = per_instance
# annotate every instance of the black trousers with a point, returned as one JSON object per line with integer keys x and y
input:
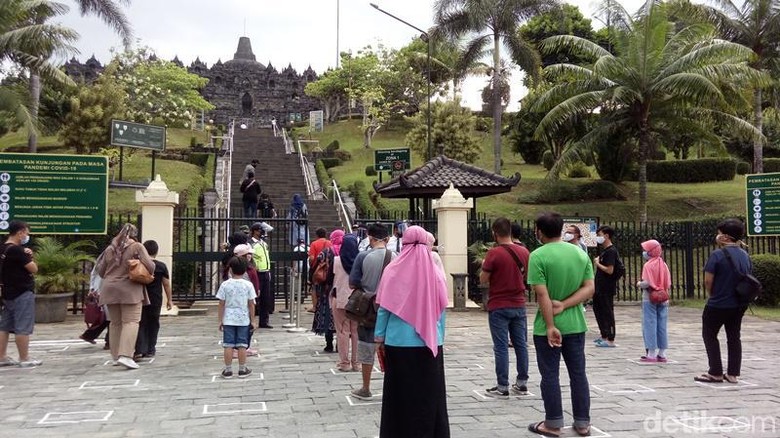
{"x": 94, "y": 331}
{"x": 265, "y": 302}
{"x": 712, "y": 320}
{"x": 148, "y": 329}
{"x": 604, "y": 311}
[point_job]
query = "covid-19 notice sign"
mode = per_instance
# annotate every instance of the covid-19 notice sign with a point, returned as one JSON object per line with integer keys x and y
{"x": 54, "y": 194}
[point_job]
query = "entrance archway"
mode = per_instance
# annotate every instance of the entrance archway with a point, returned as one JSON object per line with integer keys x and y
{"x": 246, "y": 104}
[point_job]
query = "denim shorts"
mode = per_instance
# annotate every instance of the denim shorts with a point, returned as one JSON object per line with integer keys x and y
{"x": 234, "y": 336}
{"x": 366, "y": 352}
{"x": 18, "y": 315}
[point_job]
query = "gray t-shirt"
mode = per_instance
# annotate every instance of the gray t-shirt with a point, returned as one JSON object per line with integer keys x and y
{"x": 367, "y": 269}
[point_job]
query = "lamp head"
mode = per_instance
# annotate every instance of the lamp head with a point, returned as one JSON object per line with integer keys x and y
{"x": 374, "y": 5}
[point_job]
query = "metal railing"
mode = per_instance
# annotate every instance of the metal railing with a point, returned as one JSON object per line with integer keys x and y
{"x": 305, "y": 170}
{"x": 288, "y": 143}
{"x": 346, "y": 222}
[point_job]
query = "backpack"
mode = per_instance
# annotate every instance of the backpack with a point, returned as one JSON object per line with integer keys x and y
{"x": 300, "y": 216}
{"x": 620, "y": 269}
{"x": 748, "y": 287}
{"x": 322, "y": 270}
{"x": 265, "y": 208}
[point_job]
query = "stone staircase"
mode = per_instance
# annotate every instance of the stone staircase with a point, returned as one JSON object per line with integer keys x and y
{"x": 279, "y": 175}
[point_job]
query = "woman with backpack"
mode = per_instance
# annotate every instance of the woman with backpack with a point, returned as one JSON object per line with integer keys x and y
{"x": 655, "y": 283}
{"x": 298, "y": 214}
{"x": 321, "y": 279}
{"x": 251, "y": 190}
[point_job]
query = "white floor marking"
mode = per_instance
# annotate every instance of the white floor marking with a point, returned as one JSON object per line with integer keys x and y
{"x": 234, "y": 408}
{"x": 639, "y": 362}
{"x": 357, "y": 402}
{"x": 594, "y": 432}
{"x": 481, "y": 394}
{"x": 727, "y": 385}
{"x": 623, "y": 388}
{"x": 75, "y": 417}
{"x": 252, "y": 377}
{"x": 92, "y": 384}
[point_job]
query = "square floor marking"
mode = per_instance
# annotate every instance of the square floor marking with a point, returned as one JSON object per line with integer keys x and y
{"x": 252, "y": 377}
{"x": 594, "y": 432}
{"x": 91, "y": 384}
{"x": 375, "y": 400}
{"x": 639, "y": 362}
{"x": 481, "y": 394}
{"x": 234, "y": 408}
{"x": 623, "y": 388}
{"x": 75, "y": 417}
{"x": 727, "y": 385}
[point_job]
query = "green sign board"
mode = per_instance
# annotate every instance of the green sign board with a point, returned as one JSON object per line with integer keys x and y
{"x": 392, "y": 159}
{"x": 136, "y": 135}
{"x": 54, "y": 194}
{"x": 763, "y": 204}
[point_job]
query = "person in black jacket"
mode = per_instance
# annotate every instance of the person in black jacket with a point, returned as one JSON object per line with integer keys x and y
{"x": 251, "y": 190}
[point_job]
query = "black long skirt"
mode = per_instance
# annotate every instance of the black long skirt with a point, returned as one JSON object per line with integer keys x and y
{"x": 414, "y": 397}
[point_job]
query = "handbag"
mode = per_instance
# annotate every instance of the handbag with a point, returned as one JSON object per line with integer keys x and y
{"x": 748, "y": 287}
{"x": 93, "y": 312}
{"x": 138, "y": 272}
{"x": 658, "y": 296}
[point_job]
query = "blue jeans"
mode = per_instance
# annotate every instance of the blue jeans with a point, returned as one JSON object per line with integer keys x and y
{"x": 549, "y": 360}
{"x": 235, "y": 336}
{"x": 654, "y": 317}
{"x": 510, "y": 321}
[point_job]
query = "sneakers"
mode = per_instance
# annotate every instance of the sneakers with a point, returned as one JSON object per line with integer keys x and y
{"x": 362, "y": 394}
{"x": 127, "y": 362}
{"x": 647, "y": 359}
{"x": 30, "y": 363}
{"x": 519, "y": 389}
{"x": 244, "y": 372}
{"x": 8, "y": 362}
{"x": 85, "y": 339}
{"x": 227, "y": 373}
{"x": 661, "y": 359}
{"x": 497, "y": 393}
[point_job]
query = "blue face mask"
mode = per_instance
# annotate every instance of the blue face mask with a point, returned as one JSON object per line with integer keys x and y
{"x": 25, "y": 239}
{"x": 645, "y": 255}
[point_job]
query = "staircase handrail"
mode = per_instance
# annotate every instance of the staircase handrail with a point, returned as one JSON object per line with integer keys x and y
{"x": 305, "y": 170}
{"x": 288, "y": 146}
{"x": 346, "y": 222}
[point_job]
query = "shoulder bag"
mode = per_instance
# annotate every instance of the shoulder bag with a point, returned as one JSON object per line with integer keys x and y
{"x": 2, "y": 262}
{"x": 138, "y": 272}
{"x": 748, "y": 287}
{"x": 361, "y": 305}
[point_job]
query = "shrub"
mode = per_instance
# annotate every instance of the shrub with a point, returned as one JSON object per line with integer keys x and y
{"x": 199, "y": 160}
{"x": 332, "y": 146}
{"x": 483, "y": 124}
{"x": 566, "y": 191}
{"x": 766, "y": 267}
{"x": 342, "y": 155}
{"x": 193, "y": 141}
{"x": 692, "y": 171}
{"x": 579, "y": 170}
{"x": 614, "y": 159}
{"x": 658, "y": 155}
{"x": 595, "y": 190}
{"x": 743, "y": 168}
{"x": 360, "y": 196}
{"x": 771, "y": 165}
{"x": 370, "y": 171}
{"x": 548, "y": 160}
{"x": 330, "y": 162}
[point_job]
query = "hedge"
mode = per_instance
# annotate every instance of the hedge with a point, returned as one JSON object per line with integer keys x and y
{"x": 766, "y": 267}
{"x": 743, "y": 168}
{"x": 579, "y": 170}
{"x": 566, "y": 191}
{"x": 330, "y": 162}
{"x": 370, "y": 170}
{"x": 692, "y": 171}
{"x": 771, "y": 165}
{"x": 199, "y": 160}
{"x": 342, "y": 155}
{"x": 548, "y": 160}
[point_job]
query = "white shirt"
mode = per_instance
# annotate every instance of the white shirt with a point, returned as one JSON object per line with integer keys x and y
{"x": 236, "y": 294}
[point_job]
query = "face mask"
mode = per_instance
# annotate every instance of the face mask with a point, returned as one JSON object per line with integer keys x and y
{"x": 25, "y": 239}
{"x": 539, "y": 240}
{"x": 645, "y": 255}
{"x": 600, "y": 240}
{"x": 568, "y": 237}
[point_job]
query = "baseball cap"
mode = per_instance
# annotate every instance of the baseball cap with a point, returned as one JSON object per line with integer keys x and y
{"x": 242, "y": 250}
{"x": 262, "y": 226}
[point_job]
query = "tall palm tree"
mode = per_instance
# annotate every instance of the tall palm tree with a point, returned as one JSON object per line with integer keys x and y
{"x": 752, "y": 23}
{"x": 659, "y": 82}
{"x": 489, "y": 25}
{"x": 37, "y": 15}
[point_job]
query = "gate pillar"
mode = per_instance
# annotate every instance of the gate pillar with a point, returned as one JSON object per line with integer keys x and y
{"x": 452, "y": 212}
{"x": 157, "y": 204}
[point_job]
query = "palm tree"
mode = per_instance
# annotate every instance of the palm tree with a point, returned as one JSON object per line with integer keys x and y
{"x": 488, "y": 25}
{"x": 33, "y": 54}
{"x": 659, "y": 82}
{"x": 755, "y": 24}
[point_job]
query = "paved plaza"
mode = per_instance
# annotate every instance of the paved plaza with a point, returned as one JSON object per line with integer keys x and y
{"x": 296, "y": 392}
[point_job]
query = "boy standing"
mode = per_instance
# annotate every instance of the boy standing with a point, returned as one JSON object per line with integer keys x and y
{"x": 236, "y": 307}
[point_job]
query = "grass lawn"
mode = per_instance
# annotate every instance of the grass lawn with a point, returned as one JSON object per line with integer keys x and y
{"x": 768, "y": 313}
{"x": 666, "y": 202}
{"x": 178, "y": 138}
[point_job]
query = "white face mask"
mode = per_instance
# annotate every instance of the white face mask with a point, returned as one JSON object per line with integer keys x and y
{"x": 600, "y": 240}
{"x": 568, "y": 237}
{"x": 25, "y": 239}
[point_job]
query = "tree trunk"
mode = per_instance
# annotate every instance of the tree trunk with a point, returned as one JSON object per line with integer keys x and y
{"x": 35, "y": 100}
{"x": 644, "y": 146}
{"x": 758, "y": 122}
{"x": 496, "y": 105}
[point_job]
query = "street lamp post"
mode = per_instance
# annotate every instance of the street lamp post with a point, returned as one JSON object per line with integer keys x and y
{"x": 425, "y": 37}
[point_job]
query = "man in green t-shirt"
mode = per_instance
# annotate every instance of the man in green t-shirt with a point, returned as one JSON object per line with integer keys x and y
{"x": 562, "y": 277}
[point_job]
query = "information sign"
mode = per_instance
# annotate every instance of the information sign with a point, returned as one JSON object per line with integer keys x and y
{"x": 316, "y": 121}
{"x": 54, "y": 194}
{"x": 763, "y": 204}
{"x": 136, "y": 135}
{"x": 392, "y": 159}
{"x": 587, "y": 226}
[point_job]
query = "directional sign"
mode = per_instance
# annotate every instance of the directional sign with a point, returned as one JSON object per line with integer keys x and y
{"x": 54, "y": 194}
{"x": 392, "y": 159}
{"x": 763, "y": 204}
{"x": 136, "y": 135}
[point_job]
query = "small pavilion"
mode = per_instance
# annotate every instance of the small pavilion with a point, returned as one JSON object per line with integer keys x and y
{"x": 430, "y": 180}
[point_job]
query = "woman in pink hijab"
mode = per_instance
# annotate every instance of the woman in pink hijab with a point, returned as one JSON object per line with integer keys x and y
{"x": 409, "y": 333}
{"x": 655, "y": 277}
{"x": 336, "y": 239}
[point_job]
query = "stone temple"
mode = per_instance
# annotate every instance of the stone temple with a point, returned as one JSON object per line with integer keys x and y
{"x": 241, "y": 88}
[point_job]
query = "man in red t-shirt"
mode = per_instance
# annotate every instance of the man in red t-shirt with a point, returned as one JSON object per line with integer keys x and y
{"x": 505, "y": 267}
{"x": 315, "y": 249}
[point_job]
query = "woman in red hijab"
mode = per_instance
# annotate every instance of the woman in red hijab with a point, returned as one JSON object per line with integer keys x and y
{"x": 655, "y": 284}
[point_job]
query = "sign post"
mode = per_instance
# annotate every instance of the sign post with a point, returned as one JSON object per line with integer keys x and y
{"x": 54, "y": 194}
{"x": 137, "y": 135}
{"x": 396, "y": 160}
{"x": 763, "y": 204}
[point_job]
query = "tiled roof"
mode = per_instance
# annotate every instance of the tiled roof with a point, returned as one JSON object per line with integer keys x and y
{"x": 432, "y": 179}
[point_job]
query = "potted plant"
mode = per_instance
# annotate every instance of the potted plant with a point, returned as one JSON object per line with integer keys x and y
{"x": 477, "y": 252}
{"x": 60, "y": 275}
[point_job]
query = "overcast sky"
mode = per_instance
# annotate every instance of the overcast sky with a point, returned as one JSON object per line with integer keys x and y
{"x": 296, "y": 32}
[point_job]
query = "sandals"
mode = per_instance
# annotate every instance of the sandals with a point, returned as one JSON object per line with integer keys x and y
{"x": 537, "y": 429}
{"x": 709, "y": 378}
{"x": 582, "y": 431}
{"x": 730, "y": 378}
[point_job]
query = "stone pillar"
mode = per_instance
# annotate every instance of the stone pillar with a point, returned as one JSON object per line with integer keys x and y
{"x": 452, "y": 211}
{"x": 157, "y": 203}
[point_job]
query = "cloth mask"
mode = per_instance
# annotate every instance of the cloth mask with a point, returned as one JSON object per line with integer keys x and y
{"x": 645, "y": 255}
{"x": 568, "y": 237}
{"x": 600, "y": 240}
{"x": 25, "y": 240}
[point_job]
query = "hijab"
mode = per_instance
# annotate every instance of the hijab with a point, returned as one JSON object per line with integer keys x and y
{"x": 349, "y": 251}
{"x": 124, "y": 238}
{"x": 297, "y": 202}
{"x": 655, "y": 271}
{"x": 336, "y": 239}
{"x": 414, "y": 289}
